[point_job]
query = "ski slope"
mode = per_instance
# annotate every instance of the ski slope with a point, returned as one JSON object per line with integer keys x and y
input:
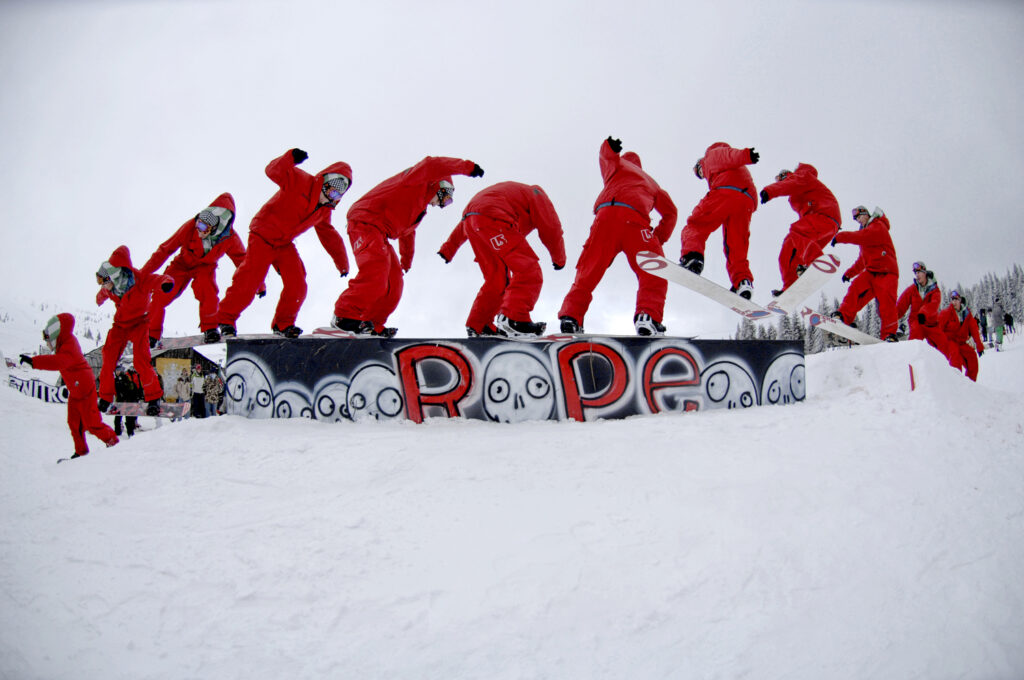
{"x": 868, "y": 532}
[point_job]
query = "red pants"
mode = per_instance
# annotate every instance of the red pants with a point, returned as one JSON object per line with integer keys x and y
{"x": 617, "y": 229}
{"x": 512, "y": 275}
{"x": 868, "y": 285}
{"x": 204, "y": 287}
{"x": 118, "y": 338}
{"x": 937, "y": 339}
{"x": 732, "y": 210}
{"x": 376, "y": 290}
{"x": 968, "y": 357}
{"x": 83, "y": 416}
{"x": 804, "y": 243}
{"x": 248, "y": 278}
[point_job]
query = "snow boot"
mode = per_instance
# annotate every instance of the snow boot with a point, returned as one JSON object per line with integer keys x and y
{"x": 570, "y": 325}
{"x": 518, "y": 329}
{"x": 351, "y": 325}
{"x": 227, "y": 331}
{"x": 745, "y": 289}
{"x": 291, "y": 332}
{"x": 211, "y": 336}
{"x": 891, "y": 338}
{"x": 647, "y": 326}
{"x": 487, "y": 330}
{"x": 154, "y": 342}
{"x": 693, "y": 261}
{"x": 386, "y": 332}
{"x": 153, "y": 407}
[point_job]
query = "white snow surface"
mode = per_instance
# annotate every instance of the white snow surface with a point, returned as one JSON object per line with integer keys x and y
{"x": 870, "y": 531}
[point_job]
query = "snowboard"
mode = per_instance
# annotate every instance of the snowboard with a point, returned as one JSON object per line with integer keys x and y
{"x": 827, "y": 323}
{"x": 814, "y": 278}
{"x": 178, "y": 409}
{"x": 196, "y": 340}
{"x": 659, "y": 266}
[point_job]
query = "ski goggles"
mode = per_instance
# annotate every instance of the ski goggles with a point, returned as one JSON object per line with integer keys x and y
{"x": 445, "y": 195}
{"x": 206, "y": 220}
{"x": 860, "y": 210}
{"x": 919, "y": 267}
{"x": 955, "y": 295}
{"x": 783, "y": 174}
{"x": 335, "y": 186}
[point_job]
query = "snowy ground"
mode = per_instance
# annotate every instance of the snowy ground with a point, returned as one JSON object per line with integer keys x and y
{"x": 868, "y": 532}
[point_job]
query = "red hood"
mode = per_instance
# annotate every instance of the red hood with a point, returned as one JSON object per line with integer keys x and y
{"x": 714, "y": 146}
{"x": 806, "y": 169}
{"x": 632, "y": 157}
{"x": 225, "y": 200}
{"x": 67, "y": 327}
{"x": 121, "y": 257}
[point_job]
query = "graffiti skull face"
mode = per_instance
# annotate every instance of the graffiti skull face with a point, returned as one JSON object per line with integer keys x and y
{"x": 728, "y": 385}
{"x": 517, "y": 387}
{"x": 292, "y": 402}
{"x": 784, "y": 380}
{"x": 329, "y": 404}
{"x": 247, "y": 389}
{"x": 374, "y": 394}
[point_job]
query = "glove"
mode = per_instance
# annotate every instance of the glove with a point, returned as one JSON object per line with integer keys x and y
{"x": 754, "y": 156}
{"x": 262, "y": 293}
{"x": 558, "y": 267}
{"x": 26, "y": 359}
{"x": 980, "y": 352}
{"x": 833, "y": 242}
{"x": 615, "y": 144}
{"x": 846, "y": 279}
{"x": 344, "y": 273}
{"x": 477, "y": 171}
{"x": 167, "y": 286}
{"x": 920, "y": 317}
{"x": 298, "y": 155}
{"x": 764, "y": 196}
{"x": 446, "y": 260}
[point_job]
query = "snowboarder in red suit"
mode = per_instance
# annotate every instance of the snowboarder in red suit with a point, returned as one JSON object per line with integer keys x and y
{"x": 302, "y": 201}
{"x": 622, "y": 224}
{"x": 83, "y": 413}
{"x": 875, "y": 274}
{"x": 960, "y": 327}
{"x": 730, "y": 201}
{"x": 818, "y": 223}
{"x": 199, "y": 242}
{"x": 922, "y": 298}
{"x": 391, "y": 210}
{"x": 496, "y": 222}
{"x": 132, "y": 292}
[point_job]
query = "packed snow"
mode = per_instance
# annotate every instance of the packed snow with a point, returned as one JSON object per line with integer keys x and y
{"x": 870, "y": 531}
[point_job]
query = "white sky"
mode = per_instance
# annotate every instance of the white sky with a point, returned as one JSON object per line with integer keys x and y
{"x": 119, "y": 120}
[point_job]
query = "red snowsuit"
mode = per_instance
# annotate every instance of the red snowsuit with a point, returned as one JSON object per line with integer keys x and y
{"x": 196, "y": 262}
{"x": 131, "y": 324}
{"x": 291, "y": 211}
{"x": 622, "y": 224}
{"x": 496, "y": 223}
{"x": 925, "y": 301}
{"x": 818, "y": 223}
{"x": 959, "y": 328}
{"x": 875, "y": 274}
{"x": 83, "y": 414}
{"x": 391, "y": 210}
{"x": 730, "y": 202}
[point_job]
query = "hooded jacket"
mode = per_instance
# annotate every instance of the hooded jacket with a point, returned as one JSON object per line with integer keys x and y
{"x": 807, "y": 195}
{"x": 877, "y": 253}
{"x": 921, "y": 300}
{"x": 724, "y": 167}
{"x": 960, "y": 327}
{"x": 69, "y": 360}
{"x": 625, "y": 182}
{"x": 133, "y": 304}
{"x": 525, "y": 208}
{"x": 296, "y": 207}
{"x": 196, "y": 251}
{"x": 398, "y": 204}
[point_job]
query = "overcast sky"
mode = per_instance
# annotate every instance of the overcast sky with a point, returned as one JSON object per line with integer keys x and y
{"x": 120, "y": 120}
